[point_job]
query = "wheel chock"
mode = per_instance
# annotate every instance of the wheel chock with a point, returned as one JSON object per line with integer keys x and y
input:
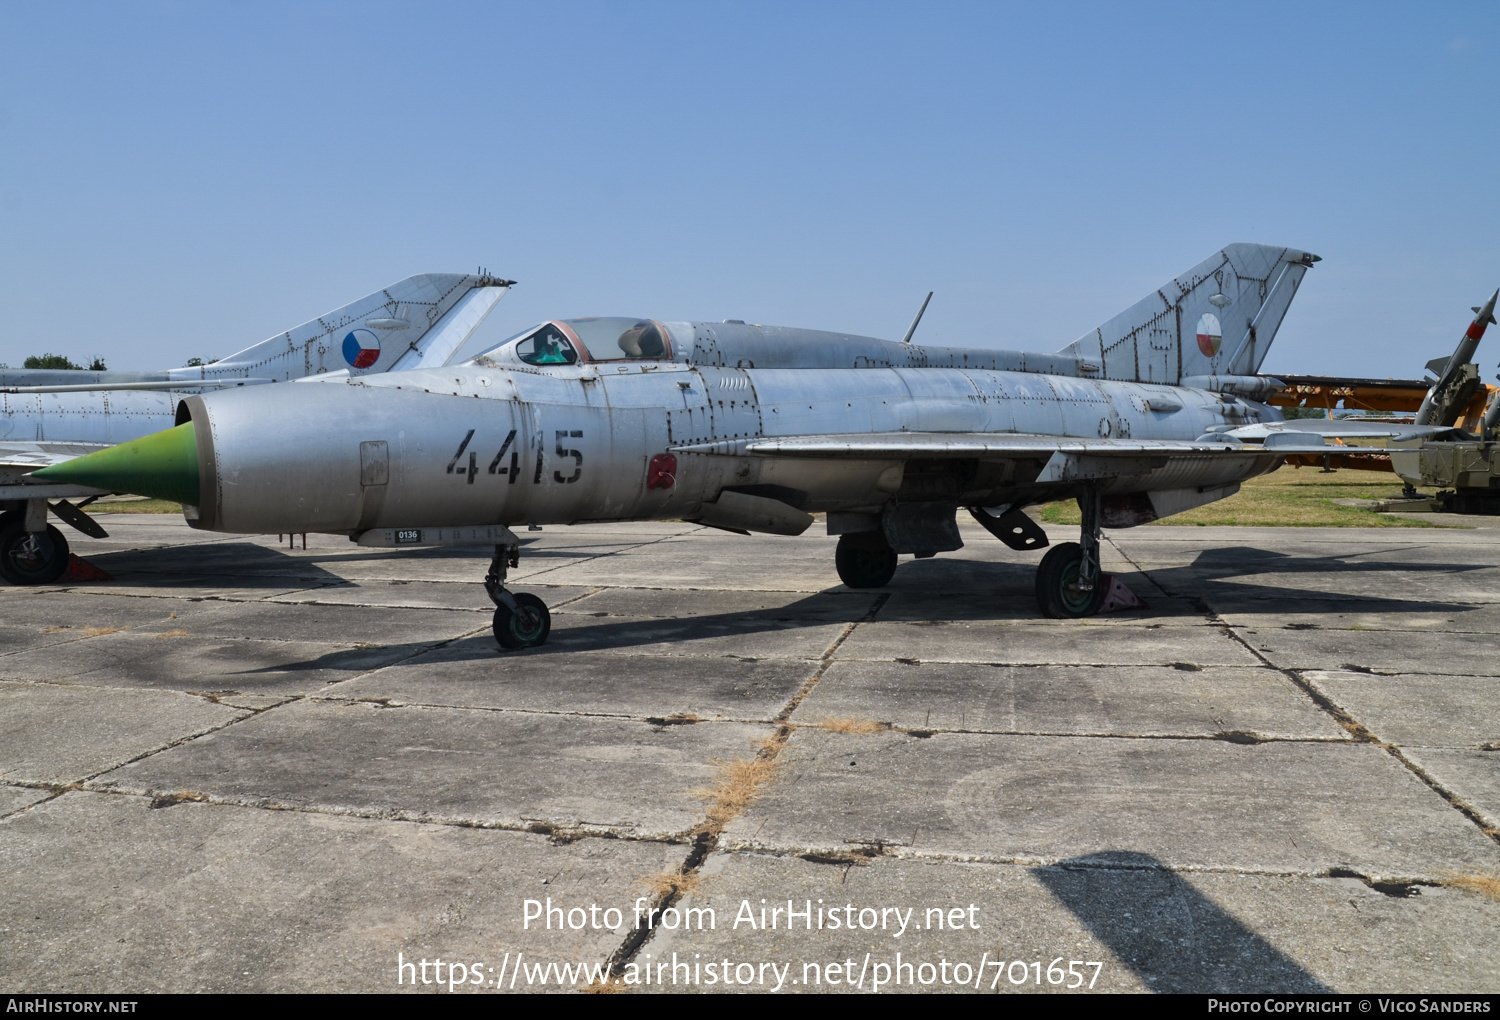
{"x": 81, "y": 570}
{"x": 1117, "y": 597}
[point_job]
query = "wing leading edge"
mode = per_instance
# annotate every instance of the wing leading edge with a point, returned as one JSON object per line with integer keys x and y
{"x": 1306, "y": 436}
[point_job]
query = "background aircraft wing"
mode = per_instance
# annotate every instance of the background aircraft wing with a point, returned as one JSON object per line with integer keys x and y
{"x": 28, "y": 456}
{"x": 17, "y": 459}
{"x": 1341, "y": 428}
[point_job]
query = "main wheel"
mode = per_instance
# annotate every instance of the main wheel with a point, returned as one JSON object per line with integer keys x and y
{"x": 1057, "y": 592}
{"x": 524, "y": 629}
{"x": 32, "y": 559}
{"x": 865, "y": 560}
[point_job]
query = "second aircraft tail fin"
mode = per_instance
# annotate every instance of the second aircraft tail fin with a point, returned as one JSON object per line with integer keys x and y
{"x": 419, "y": 322}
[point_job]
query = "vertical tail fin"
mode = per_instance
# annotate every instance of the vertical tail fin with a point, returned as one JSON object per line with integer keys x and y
{"x": 1217, "y": 319}
{"x": 417, "y": 323}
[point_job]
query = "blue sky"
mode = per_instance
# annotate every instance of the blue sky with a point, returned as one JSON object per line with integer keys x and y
{"x": 185, "y": 179}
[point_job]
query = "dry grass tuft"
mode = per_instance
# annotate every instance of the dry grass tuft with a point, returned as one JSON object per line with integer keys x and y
{"x": 661, "y": 886}
{"x": 1487, "y": 886}
{"x": 737, "y": 786}
{"x": 614, "y": 986}
{"x": 88, "y": 631}
{"x": 173, "y": 633}
{"x": 858, "y": 727}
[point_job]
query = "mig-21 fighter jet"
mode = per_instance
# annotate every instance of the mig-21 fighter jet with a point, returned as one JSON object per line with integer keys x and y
{"x": 754, "y": 429}
{"x": 48, "y": 417}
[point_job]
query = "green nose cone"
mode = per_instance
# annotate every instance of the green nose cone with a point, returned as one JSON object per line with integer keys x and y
{"x": 163, "y": 465}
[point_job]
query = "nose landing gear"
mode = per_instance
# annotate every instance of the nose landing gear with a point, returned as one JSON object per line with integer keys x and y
{"x": 521, "y": 619}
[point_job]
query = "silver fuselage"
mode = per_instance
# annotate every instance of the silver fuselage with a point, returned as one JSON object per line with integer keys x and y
{"x": 491, "y": 443}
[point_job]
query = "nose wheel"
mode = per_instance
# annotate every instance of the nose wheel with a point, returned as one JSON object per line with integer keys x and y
{"x": 521, "y": 619}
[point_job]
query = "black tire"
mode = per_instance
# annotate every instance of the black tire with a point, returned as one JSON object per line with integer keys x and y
{"x": 865, "y": 560}
{"x": 525, "y": 629}
{"x": 1054, "y": 576}
{"x": 43, "y": 564}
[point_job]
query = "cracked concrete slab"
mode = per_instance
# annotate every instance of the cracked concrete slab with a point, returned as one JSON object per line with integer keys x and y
{"x": 399, "y": 594}
{"x": 1413, "y": 708}
{"x": 176, "y": 589}
{"x": 918, "y": 607}
{"x": 1384, "y": 651}
{"x": 473, "y": 674}
{"x": 831, "y": 606}
{"x": 212, "y": 665}
{"x": 14, "y": 798}
{"x": 74, "y": 613}
{"x": 59, "y": 735}
{"x": 1188, "y": 861}
{"x": 1472, "y": 776}
{"x": 1117, "y": 700}
{"x": 802, "y": 564}
{"x": 485, "y": 768}
{"x": 1150, "y": 928}
{"x": 15, "y": 640}
{"x": 100, "y": 893}
{"x": 1361, "y": 615}
{"x": 720, "y": 634}
{"x": 345, "y": 625}
{"x": 1286, "y": 806}
{"x": 1076, "y": 642}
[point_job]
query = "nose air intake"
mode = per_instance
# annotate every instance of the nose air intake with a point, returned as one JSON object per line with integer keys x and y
{"x": 163, "y": 465}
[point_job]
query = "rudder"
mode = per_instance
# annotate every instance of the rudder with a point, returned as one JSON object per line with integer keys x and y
{"x": 1217, "y": 319}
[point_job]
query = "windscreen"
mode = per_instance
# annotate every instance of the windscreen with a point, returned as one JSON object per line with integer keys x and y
{"x": 614, "y": 338}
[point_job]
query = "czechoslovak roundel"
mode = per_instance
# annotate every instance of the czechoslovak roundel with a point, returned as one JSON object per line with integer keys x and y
{"x": 1210, "y": 335}
{"x": 362, "y": 348}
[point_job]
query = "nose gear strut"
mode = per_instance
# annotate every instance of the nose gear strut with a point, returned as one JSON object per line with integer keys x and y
{"x": 521, "y": 619}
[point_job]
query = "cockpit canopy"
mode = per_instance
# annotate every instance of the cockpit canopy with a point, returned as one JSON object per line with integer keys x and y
{"x": 611, "y": 338}
{"x": 603, "y": 338}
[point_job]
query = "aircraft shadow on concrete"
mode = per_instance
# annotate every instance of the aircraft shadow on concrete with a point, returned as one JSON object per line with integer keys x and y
{"x": 1173, "y": 937}
{"x": 1240, "y": 560}
{"x": 249, "y": 565}
{"x": 937, "y": 590}
{"x": 572, "y": 634}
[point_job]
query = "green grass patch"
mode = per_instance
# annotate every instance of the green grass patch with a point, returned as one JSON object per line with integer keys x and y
{"x": 1289, "y": 497}
{"x": 134, "y": 505}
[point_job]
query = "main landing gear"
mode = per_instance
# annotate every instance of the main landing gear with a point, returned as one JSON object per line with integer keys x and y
{"x": 1069, "y": 582}
{"x": 521, "y": 619}
{"x": 31, "y": 550}
{"x": 865, "y": 560}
